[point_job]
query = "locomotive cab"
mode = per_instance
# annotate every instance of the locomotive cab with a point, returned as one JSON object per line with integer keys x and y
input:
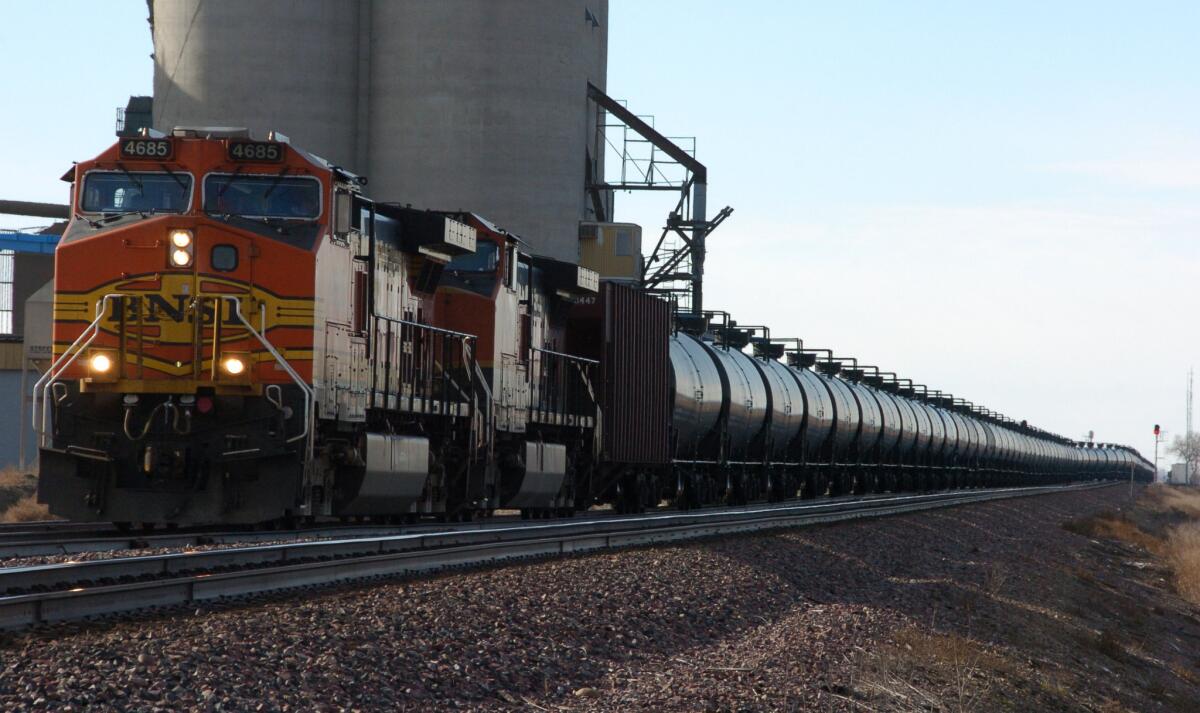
{"x": 545, "y": 409}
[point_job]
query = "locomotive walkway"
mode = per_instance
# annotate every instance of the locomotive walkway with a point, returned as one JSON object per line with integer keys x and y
{"x": 72, "y": 591}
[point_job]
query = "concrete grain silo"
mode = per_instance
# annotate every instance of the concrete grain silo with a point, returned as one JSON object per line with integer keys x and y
{"x": 268, "y": 64}
{"x": 455, "y": 104}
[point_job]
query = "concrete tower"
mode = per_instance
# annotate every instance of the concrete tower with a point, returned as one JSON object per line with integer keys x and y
{"x": 456, "y": 104}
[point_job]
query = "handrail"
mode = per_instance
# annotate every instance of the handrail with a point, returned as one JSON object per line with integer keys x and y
{"x": 58, "y": 367}
{"x": 572, "y": 357}
{"x": 89, "y": 334}
{"x": 429, "y": 327}
{"x": 561, "y": 384}
{"x": 309, "y": 394}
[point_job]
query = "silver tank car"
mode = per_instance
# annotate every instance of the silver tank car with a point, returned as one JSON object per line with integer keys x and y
{"x": 890, "y": 435}
{"x": 746, "y": 396}
{"x": 908, "y": 427}
{"x": 711, "y": 380}
{"x": 699, "y": 395}
{"x": 952, "y": 435}
{"x": 818, "y": 411}
{"x": 937, "y": 431}
{"x": 847, "y": 417}
{"x": 924, "y": 429}
{"x": 787, "y": 405}
{"x": 872, "y": 419}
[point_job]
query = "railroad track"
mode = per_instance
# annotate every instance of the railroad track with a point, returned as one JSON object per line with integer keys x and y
{"x": 77, "y": 590}
{"x": 51, "y": 538}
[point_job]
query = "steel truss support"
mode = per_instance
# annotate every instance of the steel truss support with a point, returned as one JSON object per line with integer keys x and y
{"x": 677, "y": 269}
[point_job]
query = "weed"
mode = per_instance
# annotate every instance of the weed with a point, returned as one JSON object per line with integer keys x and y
{"x": 1114, "y": 526}
{"x": 27, "y": 509}
{"x": 944, "y": 672}
{"x": 1183, "y": 554}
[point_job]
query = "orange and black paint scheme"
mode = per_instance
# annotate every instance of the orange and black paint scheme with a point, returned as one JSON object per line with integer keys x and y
{"x": 242, "y": 336}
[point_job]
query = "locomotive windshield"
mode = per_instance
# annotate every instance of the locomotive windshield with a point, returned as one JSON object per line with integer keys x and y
{"x": 123, "y": 192}
{"x": 259, "y": 196}
{"x": 482, "y": 260}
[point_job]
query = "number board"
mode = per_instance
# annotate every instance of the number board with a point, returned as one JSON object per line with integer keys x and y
{"x": 257, "y": 151}
{"x": 160, "y": 149}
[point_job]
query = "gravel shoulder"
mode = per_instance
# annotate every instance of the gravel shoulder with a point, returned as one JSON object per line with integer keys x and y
{"x": 983, "y": 607}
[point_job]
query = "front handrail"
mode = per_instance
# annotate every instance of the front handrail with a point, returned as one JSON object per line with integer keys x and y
{"x": 309, "y": 393}
{"x": 41, "y": 389}
{"x": 64, "y": 362}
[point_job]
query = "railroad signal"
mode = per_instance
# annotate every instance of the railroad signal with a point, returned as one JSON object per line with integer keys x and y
{"x": 1156, "y": 429}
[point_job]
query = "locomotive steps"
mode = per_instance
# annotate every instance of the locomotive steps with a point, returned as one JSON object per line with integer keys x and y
{"x": 72, "y": 591}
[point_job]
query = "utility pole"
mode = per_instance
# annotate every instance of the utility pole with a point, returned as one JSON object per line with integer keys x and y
{"x": 1157, "y": 440}
{"x": 1187, "y": 436}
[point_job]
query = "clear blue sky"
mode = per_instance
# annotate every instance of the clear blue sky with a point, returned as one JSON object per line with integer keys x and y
{"x": 1000, "y": 200}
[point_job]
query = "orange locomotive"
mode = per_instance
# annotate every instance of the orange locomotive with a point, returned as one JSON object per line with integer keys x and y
{"x": 241, "y": 336}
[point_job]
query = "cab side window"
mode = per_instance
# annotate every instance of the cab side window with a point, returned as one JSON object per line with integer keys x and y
{"x": 510, "y": 266}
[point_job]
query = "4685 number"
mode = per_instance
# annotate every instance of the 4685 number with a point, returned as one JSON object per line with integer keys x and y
{"x": 255, "y": 151}
{"x": 145, "y": 148}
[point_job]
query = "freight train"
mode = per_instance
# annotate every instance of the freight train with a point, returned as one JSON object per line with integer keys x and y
{"x": 241, "y": 335}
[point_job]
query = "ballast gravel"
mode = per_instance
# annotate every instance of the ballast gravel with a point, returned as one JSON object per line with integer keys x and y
{"x": 765, "y": 622}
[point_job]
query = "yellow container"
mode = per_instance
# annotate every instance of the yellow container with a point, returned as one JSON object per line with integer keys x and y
{"x": 614, "y": 250}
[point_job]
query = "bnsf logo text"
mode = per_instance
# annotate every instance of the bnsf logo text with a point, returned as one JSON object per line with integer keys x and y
{"x": 154, "y": 308}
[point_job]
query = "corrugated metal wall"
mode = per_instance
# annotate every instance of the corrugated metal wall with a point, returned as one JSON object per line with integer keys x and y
{"x": 627, "y": 331}
{"x": 10, "y": 413}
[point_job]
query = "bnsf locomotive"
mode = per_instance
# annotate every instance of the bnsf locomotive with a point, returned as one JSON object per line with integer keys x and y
{"x": 241, "y": 336}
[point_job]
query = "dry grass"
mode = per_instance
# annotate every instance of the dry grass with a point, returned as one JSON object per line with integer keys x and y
{"x": 944, "y": 672}
{"x": 27, "y": 509}
{"x": 1183, "y": 554}
{"x": 11, "y": 478}
{"x": 1114, "y": 526}
{"x": 17, "y": 501}
{"x": 1185, "y": 501}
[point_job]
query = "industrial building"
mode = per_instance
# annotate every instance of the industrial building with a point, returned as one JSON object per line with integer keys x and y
{"x": 26, "y": 267}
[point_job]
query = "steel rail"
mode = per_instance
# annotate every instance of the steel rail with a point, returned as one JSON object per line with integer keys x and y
{"x": 358, "y": 540}
{"x": 55, "y": 538}
{"x": 325, "y": 563}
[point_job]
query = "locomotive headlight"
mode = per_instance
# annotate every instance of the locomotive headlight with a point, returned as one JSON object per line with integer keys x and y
{"x": 102, "y": 366}
{"x": 235, "y": 364}
{"x": 179, "y": 247}
{"x": 101, "y": 363}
